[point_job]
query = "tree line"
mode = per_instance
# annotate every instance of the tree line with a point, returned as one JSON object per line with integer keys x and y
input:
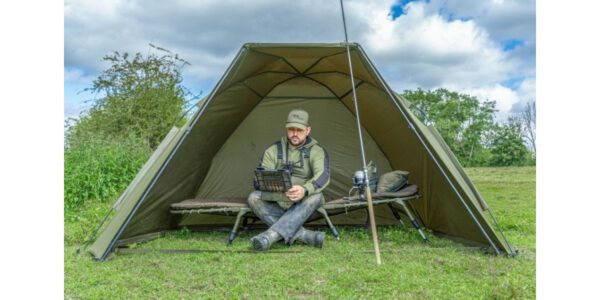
{"x": 470, "y": 130}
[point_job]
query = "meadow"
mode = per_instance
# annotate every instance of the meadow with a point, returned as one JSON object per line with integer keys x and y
{"x": 441, "y": 269}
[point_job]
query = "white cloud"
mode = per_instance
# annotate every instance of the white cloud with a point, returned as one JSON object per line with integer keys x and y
{"x": 77, "y": 76}
{"x": 527, "y": 89}
{"x": 429, "y": 51}
{"x": 72, "y": 110}
{"x": 503, "y": 19}
{"x": 505, "y": 97}
{"x": 460, "y": 48}
{"x": 84, "y": 8}
{"x": 526, "y": 92}
{"x": 206, "y": 33}
{"x": 508, "y": 101}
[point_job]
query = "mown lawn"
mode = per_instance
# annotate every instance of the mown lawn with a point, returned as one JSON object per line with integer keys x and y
{"x": 346, "y": 269}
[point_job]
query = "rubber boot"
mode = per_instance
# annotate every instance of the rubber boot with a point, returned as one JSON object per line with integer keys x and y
{"x": 309, "y": 237}
{"x": 263, "y": 241}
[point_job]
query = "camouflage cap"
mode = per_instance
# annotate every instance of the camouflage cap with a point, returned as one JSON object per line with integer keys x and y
{"x": 297, "y": 118}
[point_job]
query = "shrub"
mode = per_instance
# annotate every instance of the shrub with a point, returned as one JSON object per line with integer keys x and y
{"x": 98, "y": 169}
{"x": 508, "y": 147}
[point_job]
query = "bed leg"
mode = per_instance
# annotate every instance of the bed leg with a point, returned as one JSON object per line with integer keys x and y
{"x": 396, "y": 215}
{"x": 333, "y": 229}
{"x": 233, "y": 233}
{"x": 413, "y": 220}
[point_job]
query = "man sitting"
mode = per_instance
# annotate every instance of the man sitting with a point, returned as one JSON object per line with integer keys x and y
{"x": 285, "y": 213}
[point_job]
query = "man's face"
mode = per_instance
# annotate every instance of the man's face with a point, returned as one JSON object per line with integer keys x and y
{"x": 297, "y": 136}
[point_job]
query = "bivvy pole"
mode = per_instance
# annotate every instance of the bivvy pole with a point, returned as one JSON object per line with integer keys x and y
{"x": 362, "y": 147}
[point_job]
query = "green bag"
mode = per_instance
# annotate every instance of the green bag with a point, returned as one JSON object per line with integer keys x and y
{"x": 392, "y": 181}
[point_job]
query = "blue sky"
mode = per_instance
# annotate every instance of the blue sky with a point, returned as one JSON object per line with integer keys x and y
{"x": 484, "y": 48}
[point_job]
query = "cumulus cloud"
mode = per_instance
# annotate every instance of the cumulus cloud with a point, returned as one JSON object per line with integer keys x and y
{"x": 526, "y": 94}
{"x": 505, "y": 97}
{"x": 436, "y": 43}
{"x": 503, "y": 19}
{"x": 206, "y": 33}
{"x": 429, "y": 51}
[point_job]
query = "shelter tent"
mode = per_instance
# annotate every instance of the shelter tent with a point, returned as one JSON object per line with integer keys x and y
{"x": 214, "y": 154}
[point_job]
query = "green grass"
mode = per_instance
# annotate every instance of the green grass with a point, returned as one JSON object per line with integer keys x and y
{"x": 346, "y": 269}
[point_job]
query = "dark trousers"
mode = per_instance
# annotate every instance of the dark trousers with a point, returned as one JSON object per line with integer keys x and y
{"x": 285, "y": 222}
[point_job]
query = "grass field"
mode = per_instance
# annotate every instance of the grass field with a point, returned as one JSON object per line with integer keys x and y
{"x": 441, "y": 269}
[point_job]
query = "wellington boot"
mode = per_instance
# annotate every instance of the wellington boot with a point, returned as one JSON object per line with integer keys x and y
{"x": 309, "y": 237}
{"x": 263, "y": 241}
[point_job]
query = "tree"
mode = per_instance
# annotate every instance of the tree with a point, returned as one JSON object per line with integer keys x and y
{"x": 528, "y": 119}
{"x": 139, "y": 95}
{"x": 462, "y": 120}
{"x": 507, "y": 144}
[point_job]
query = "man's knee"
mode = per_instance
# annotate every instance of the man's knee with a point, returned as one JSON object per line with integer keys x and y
{"x": 315, "y": 199}
{"x": 254, "y": 197}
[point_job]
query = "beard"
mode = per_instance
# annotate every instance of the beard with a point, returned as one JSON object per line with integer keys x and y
{"x": 296, "y": 141}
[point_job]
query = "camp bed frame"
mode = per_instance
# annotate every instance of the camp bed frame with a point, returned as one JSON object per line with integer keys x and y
{"x": 239, "y": 207}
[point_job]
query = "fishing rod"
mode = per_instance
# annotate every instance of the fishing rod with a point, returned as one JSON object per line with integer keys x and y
{"x": 362, "y": 147}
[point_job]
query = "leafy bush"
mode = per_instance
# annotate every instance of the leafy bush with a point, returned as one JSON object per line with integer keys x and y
{"x": 138, "y": 95}
{"x": 508, "y": 147}
{"x": 98, "y": 169}
{"x": 462, "y": 120}
{"x": 140, "y": 99}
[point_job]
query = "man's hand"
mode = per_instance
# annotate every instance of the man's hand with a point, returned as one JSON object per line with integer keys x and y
{"x": 295, "y": 193}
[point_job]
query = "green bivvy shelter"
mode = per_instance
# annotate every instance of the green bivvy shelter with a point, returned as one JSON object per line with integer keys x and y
{"x": 214, "y": 154}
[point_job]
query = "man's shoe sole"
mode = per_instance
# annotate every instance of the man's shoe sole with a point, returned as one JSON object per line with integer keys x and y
{"x": 258, "y": 244}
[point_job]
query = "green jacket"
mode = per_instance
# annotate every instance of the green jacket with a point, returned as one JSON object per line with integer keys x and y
{"x": 310, "y": 163}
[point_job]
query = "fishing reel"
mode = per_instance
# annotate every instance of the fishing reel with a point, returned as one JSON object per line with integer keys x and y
{"x": 359, "y": 182}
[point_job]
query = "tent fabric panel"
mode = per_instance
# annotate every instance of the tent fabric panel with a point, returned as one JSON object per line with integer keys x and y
{"x": 396, "y": 139}
{"x": 298, "y": 57}
{"x": 135, "y": 191}
{"x": 444, "y": 211}
{"x": 339, "y": 63}
{"x": 265, "y": 82}
{"x": 337, "y": 82}
{"x": 456, "y": 164}
{"x": 191, "y": 164}
{"x": 276, "y": 65}
{"x": 245, "y": 65}
{"x": 447, "y": 165}
{"x": 468, "y": 195}
{"x": 383, "y": 122}
{"x": 300, "y": 87}
{"x": 467, "y": 230}
{"x": 333, "y": 126}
